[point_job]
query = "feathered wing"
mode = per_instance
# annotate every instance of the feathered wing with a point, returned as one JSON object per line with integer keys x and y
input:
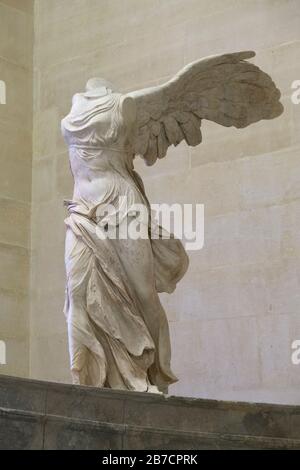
{"x": 225, "y": 89}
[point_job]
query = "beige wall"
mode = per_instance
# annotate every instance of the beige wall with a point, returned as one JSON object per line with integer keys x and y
{"x": 236, "y": 312}
{"x": 16, "y": 55}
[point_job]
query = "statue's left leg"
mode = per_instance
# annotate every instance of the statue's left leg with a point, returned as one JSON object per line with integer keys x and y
{"x": 137, "y": 260}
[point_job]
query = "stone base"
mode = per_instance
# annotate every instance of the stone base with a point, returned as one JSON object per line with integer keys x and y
{"x": 44, "y": 415}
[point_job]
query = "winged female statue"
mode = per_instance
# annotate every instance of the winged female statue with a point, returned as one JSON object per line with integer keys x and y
{"x": 117, "y": 328}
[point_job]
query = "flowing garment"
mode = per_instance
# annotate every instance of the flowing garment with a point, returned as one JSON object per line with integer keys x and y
{"x": 114, "y": 340}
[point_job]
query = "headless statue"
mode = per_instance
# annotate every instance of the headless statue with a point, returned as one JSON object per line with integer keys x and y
{"x": 117, "y": 328}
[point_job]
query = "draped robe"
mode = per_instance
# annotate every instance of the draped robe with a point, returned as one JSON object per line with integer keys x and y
{"x": 112, "y": 342}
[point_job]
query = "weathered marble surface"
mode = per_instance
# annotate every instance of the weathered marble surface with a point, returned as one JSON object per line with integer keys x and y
{"x": 225, "y": 89}
{"x": 117, "y": 328}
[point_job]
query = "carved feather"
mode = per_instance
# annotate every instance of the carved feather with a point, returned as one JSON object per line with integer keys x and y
{"x": 225, "y": 89}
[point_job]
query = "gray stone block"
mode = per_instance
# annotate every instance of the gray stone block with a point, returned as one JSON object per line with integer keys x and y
{"x": 295, "y": 424}
{"x": 20, "y": 430}
{"x": 70, "y": 434}
{"x": 255, "y": 443}
{"x": 35, "y": 414}
{"x": 151, "y": 439}
{"x": 22, "y": 394}
{"x": 85, "y": 403}
{"x": 169, "y": 440}
{"x": 209, "y": 416}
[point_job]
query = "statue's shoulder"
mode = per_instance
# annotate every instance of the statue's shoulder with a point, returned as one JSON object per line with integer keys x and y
{"x": 128, "y": 107}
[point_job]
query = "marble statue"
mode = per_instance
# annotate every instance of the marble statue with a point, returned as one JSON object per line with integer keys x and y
{"x": 117, "y": 328}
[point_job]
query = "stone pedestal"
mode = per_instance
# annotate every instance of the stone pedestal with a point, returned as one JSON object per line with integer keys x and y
{"x": 44, "y": 415}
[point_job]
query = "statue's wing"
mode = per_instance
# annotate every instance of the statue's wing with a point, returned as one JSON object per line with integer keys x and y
{"x": 225, "y": 89}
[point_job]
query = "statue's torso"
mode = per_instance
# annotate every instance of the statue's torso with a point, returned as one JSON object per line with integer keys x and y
{"x": 99, "y": 153}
